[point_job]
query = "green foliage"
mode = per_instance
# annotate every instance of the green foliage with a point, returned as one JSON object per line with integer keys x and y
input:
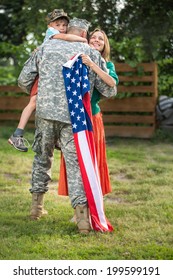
{"x": 145, "y": 25}
{"x": 128, "y": 50}
{"x": 18, "y": 53}
{"x": 7, "y": 75}
{"x": 153, "y": 22}
{"x": 141, "y": 31}
{"x": 13, "y": 23}
{"x": 165, "y": 81}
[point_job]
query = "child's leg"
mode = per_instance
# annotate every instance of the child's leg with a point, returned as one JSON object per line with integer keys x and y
{"x": 27, "y": 111}
{"x": 17, "y": 140}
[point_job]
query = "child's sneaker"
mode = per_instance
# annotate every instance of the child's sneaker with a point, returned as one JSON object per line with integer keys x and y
{"x": 18, "y": 142}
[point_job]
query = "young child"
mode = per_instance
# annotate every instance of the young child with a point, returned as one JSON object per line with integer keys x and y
{"x": 57, "y": 22}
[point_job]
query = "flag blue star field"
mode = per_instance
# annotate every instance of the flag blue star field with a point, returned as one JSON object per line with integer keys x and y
{"x": 77, "y": 87}
{"x": 77, "y": 84}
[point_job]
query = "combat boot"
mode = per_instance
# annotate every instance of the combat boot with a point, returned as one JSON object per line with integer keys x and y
{"x": 37, "y": 210}
{"x": 82, "y": 218}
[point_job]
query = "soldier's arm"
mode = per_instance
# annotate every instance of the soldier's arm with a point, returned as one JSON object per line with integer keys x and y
{"x": 29, "y": 72}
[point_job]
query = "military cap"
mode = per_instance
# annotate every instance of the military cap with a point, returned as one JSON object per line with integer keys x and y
{"x": 79, "y": 23}
{"x": 56, "y": 14}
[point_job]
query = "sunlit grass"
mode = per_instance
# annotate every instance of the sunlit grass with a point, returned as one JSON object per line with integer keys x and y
{"x": 140, "y": 207}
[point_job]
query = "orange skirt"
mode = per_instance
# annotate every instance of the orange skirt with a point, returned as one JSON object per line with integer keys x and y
{"x": 100, "y": 145}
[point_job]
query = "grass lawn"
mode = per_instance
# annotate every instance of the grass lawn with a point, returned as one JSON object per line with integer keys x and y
{"x": 140, "y": 207}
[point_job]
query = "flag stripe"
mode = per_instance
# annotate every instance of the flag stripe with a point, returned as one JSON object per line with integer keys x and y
{"x": 91, "y": 175}
{"x": 89, "y": 195}
{"x": 97, "y": 225}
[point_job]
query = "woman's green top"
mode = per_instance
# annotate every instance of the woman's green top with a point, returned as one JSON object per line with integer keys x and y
{"x": 96, "y": 94}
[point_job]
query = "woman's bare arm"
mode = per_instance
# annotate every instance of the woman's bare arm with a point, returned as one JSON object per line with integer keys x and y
{"x": 103, "y": 75}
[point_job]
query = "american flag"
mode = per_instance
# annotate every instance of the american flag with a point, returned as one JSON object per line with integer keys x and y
{"x": 77, "y": 87}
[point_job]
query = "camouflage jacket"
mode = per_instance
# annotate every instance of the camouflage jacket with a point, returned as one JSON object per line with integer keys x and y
{"x": 47, "y": 62}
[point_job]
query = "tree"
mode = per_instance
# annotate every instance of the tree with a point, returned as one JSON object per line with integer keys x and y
{"x": 13, "y": 23}
{"x": 153, "y": 22}
{"x": 147, "y": 24}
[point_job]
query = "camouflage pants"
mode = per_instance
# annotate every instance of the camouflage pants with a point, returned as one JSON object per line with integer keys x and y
{"x": 47, "y": 134}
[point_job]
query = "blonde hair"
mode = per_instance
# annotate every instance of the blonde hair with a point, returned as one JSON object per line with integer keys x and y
{"x": 106, "y": 50}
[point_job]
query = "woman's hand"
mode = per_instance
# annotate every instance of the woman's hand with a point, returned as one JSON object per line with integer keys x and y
{"x": 86, "y": 60}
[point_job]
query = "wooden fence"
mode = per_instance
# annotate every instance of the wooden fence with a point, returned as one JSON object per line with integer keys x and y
{"x": 133, "y": 115}
{"x": 130, "y": 114}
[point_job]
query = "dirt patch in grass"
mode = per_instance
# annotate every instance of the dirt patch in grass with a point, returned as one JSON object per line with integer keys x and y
{"x": 123, "y": 177}
{"x": 116, "y": 200}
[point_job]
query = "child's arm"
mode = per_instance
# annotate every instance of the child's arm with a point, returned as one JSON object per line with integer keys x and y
{"x": 70, "y": 37}
{"x": 102, "y": 74}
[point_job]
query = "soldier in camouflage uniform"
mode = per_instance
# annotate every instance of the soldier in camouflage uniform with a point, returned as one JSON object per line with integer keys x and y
{"x": 52, "y": 117}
